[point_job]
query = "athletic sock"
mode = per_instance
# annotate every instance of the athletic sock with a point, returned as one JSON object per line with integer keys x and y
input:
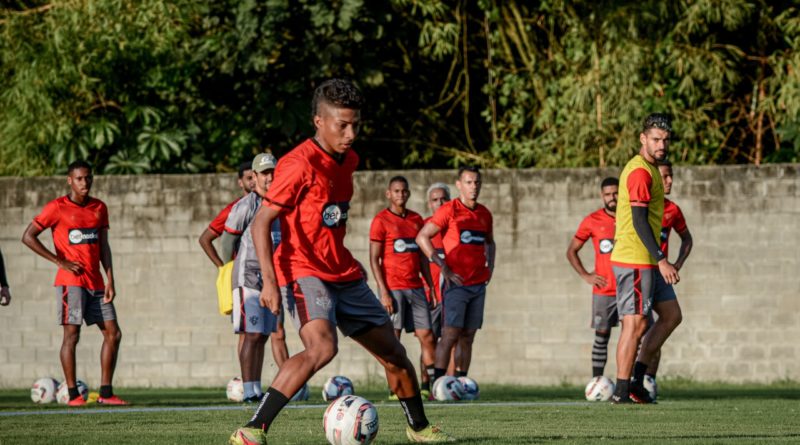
{"x": 249, "y": 390}
{"x": 73, "y": 393}
{"x": 106, "y": 391}
{"x": 438, "y": 372}
{"x": 431, "y": 371}
{"x": 271, "y": 404}
{"x": 425, "y": 386}
{"x": 639, "y": 369}
{"x": 257, "y": 388}
{"x": 599, "y": 353}
{"x": 622, "y": 389}
{"x": 461, "y": 373}
{"x": 415, "y": 413}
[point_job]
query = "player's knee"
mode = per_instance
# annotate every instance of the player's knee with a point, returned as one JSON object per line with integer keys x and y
{"x": 71, "y": 338}
{"x": 279, "y": 336}
{"x": 468, "y": 337}
{"x": 321, "y": 355}
{"x": 676, "y": 318}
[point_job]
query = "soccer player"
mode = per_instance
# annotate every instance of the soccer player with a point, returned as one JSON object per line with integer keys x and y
{"x": 666, "y": 302}
{"x": 321, "y": 284}
{"x": 637, "y": 256}
{"x": 5, "y": 293}
{"x": 469, "y": 250}
{"x": 397, "y": 264}
{"x": 79, "y": 224}
{"x": 599, "y": 226}
{"x": 253, "y": 322}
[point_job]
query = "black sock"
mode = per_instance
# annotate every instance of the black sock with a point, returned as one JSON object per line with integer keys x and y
{"x": 425, "y": 385}
{"x": 272, "y": 403}
{"x": 461, "y": 373}
{"x": 415, "y": 414}
{"x": 431, "y": 371}
{"x": 106, "y": 391}
{"x": 597, "y": 372}
{"x": 622, "y": 388}
{"x": 73, "y": 393}
{"x": 599, "y": 353}
{"x": 651, "y": 374}
{"x": 438, "y": 372}
{"x": 639, "y": 369}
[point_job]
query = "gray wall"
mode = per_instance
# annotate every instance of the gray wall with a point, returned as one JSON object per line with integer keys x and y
{"x": 739, "y": 289}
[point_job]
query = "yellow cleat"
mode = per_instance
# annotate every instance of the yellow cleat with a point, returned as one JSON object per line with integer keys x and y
{"x": 430, "y": 434}
{"x": 248, "y": 436}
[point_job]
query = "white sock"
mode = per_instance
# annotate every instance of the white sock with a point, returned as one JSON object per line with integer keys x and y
{"x": 249, "y": 390}
{"x": 257, "y": 388}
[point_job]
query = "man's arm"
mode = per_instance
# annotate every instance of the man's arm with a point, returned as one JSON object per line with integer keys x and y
{"x": 105, "y": 260}
{"x": 425, "y": 269}
{"x": 30, "y": 239}
{"x": 686, "y": 248}
{"x": 5, "y": 294}
{"x": 205, "y": 241}
{"x": 647, "y": 238}
{"x": 591, "y": 278}
{"x": 428, "y": 231}
{"x": 228, "y": 242}
{"x": 491, "y": 248}
{"x": 262, "y": 241}
{"x": 375, "y": 259}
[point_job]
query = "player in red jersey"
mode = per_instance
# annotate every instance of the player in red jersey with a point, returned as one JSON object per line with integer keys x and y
{"x": 599, "y": 226}
{"x": 666, "y": 302}
{"x": 321, "y": 284}
{"x": 79, "y": 224}
{"x": 469, "y": 247}
{"x": 397, "y": 264}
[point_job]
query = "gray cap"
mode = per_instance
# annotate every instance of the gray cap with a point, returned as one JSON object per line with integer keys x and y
{"x": 264, "y": 161}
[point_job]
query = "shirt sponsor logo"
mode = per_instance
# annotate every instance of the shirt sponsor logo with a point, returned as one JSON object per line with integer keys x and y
{"x": 606, "y": 245}
{"x": 472, "y": 237}
{"x": 405, "y": 245}
{"x": 335, "y": 214}
{"x": 84, "y": 236}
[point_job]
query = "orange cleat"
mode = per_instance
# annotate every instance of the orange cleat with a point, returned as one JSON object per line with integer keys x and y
{"x": 113, "y": 400}
{"x": 78, "y": 401}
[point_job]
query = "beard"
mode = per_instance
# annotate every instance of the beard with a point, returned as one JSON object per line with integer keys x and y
{"x": 611, "y": 206}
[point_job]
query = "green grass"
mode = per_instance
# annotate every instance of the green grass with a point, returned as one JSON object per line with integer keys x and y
{"x": 687, "y": 413}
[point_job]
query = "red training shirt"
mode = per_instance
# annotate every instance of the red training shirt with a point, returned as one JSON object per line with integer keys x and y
{"x": 400, "y": 259}
{"x": 464, "y": 233}
{"x": 76, "y": 236}
{"x": 217, "y": 225}
{"x": 599, "y": 226}
{"x": 673, "y": 219}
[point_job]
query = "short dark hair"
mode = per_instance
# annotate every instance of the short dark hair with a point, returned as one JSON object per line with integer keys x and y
{"x": 80, "y": 163}
{"x": 608, "y": 182}
{"x": 664, "y": 163}
{"x": 661, "y": 121}
{"x": 398, "y": 178}
{"x": 468, "y": 168}
{"x": 341, "y": 93}
{"x": 244, "y": 166}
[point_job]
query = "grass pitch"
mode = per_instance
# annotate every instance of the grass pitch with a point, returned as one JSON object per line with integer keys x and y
{"x": 686, "y": 414}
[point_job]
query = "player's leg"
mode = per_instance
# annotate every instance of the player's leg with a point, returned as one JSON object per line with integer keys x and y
{"x": 634, "y": 298}
{"x": 464, "y": 348}
{"x": 473, "y": 320}
{"x": 398, "y": 316}
{"x": 669, "y": 317}
{"x": 455, "y": 357}
{"x": 257, "y": 323}
{"x": 604, "y": 317}
{"x": 70, "y": 316}
{"x": 423, "y": 329}
{"x": 454, "y": 301}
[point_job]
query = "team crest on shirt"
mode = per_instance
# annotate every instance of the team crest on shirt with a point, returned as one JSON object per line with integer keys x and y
{"x": 606, "y": 245}
{"x": 83, "y": 236}
{"x": 472, "y": 237}
{"x": 404, "y": 245}
{"x": 334, "y": 214}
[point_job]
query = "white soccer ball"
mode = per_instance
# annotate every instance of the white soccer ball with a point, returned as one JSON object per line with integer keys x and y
{"x": 337, "y": 386}
{"x": 350, "y": 420}
{"x": 448, "y": 388}
{"x": 62, "y": 393}
{"x": 599, "y": 389}
{"x": 44, "y": 390}
{"x": 650, "y": 385}
{"x": 302, "y": 394}
{"x": 471, "y": 390}
{"x": 235, "y": 390}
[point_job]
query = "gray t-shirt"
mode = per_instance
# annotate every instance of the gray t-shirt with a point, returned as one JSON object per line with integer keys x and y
{"x": 246, "y": 270}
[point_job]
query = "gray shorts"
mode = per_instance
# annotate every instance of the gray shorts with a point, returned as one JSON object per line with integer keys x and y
{"x": 463, "y": 306}
{"x": 635, "y": 288}
{"x": 78, "y": 304}
{"x": 663, "y": 292}
{"x": 436, "y": 321}
{"x": 249, "y": 316}
{"x": 410, "y": 309}
{"x": 351, "y": 305}
{"x": 604, "y": 312}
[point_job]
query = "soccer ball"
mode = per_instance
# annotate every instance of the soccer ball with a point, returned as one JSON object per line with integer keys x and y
{"x": 650, "y": 385}
{"x": 599, "y": 389}
{"x": 337, "y": 386}
{"x": 44, "y": 390}
{"x": 62, "y": 393}
{"x": 235, "y": 390}
{"x": 350, "y": 420}
{"x": 471, "y": 390}
{"x": 302, "y": 394}
{"x": 448, "y": 388}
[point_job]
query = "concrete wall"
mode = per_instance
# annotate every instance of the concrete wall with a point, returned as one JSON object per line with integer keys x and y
{"x": 740, "y": 291}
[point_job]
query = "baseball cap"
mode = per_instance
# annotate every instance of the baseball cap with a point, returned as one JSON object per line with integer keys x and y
{"x": 264, "y": 161}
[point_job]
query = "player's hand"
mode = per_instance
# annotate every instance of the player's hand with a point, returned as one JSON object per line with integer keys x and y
{"x": 596, "y": 280}
{"x": 669, "y": 272}
{"x": 387, "y": 302}
{"x": 452, "y": 277}
{"x": 5, "y": 296}
{"x": 270, "y": 298}
{"x": 70, "y": 266}
{"x": 433, "y": 302}
{"x": 109, "y": 294}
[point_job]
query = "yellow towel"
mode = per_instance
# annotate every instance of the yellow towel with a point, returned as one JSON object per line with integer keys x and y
{"x": 224, "y": 290}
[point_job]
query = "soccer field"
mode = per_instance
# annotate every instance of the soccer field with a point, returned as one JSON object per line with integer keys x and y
{"x": 686, "y": 413}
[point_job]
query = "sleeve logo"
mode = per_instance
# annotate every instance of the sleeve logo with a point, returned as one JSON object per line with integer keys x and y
{"x": 606, "y": 245}
{"x": 84, "y": 236}
{"x": 472, "y": 237}
{"x": 335, "y": 214}
{"x": 403, "y": 245}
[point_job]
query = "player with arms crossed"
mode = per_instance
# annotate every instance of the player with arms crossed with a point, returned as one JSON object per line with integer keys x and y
{"x": 250, "y": 320}
{"x": 321, "y": 283}
{"x": 397, "y": 264}
{"x": 599, "y": 226}
{"x": 469, "y": 249}
{"x": 79, "y": 224}
{"x": 637, "y": 256}
{"x": 666, "y": 302}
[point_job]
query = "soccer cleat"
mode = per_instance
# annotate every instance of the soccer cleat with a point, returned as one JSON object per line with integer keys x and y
{"x": 77, "y": 401}
{"x": 621, "y": 400}
{"x": 426, "y": 395}
{"x": 248, "y": 436}
{"x": 640, "y": 395}
{"x": 252, "y": 399}
{"x": 393, "y": 397}
{"x": 113, "y": 400}
{"x": 429, "y": 434}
